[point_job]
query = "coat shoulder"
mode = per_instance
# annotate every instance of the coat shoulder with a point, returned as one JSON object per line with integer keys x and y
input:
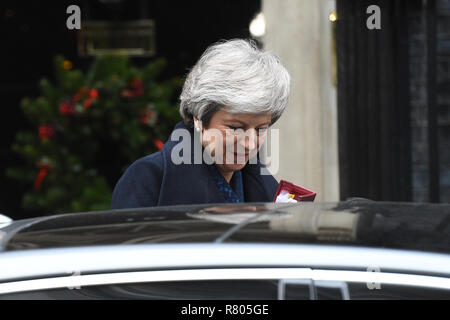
{"x": 140, "y": 184}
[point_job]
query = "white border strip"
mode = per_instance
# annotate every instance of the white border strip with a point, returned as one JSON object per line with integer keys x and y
{"x": 80, "y": 281}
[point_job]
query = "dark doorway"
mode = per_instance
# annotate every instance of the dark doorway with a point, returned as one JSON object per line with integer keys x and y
{"x": 393, "y": 102}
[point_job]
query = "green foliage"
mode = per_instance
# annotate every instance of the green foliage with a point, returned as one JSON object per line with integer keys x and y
{"x": 88, "y": 128}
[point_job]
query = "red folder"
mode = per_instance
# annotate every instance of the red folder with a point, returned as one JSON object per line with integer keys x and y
{"x": 300, "y": 193}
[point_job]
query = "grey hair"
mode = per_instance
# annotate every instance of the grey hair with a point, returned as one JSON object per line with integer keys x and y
{"x": 238, "y": 75}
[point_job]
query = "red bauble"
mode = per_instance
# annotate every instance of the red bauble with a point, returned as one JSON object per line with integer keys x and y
{"x": 41, "y": 175}
{"x": 66, "y": 108}
{"x": 158, "y": 143}
{"x": 87, "y": 103}
{"x": 136, "y": 89}
{"x": 46, "y": 132}
{"x": 93, "y": 93}
{"x": 79, "y": 95}
{"x": 146, "y": 116}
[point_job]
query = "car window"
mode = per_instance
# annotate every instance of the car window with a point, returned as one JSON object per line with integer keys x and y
{"x": 234, "y": 290}
{"x": 224, "y": 289}
{"x": 308, "y": 289}
{"x": 398, "y": 292}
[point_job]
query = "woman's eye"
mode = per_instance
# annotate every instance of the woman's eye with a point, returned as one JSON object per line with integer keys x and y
{"x": 235, "y": 128}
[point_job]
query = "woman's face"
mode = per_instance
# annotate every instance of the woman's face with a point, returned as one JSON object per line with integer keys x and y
{"x": 239, "y": 138}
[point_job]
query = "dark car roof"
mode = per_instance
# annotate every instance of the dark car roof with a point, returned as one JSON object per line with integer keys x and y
{"x": 414, "y": 226}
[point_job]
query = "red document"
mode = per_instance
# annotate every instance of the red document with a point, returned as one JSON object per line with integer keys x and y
{"x": 290, "y": 191}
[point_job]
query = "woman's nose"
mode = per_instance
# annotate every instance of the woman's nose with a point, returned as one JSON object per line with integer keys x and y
{"x": 249, "y": 139}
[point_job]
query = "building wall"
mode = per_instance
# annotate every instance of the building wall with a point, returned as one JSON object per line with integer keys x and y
{"x": 300, "y": 33}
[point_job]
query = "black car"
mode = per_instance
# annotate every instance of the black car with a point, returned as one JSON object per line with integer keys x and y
{"x": 346, "y": 250}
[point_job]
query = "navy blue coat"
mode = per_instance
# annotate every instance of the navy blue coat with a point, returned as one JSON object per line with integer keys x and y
{"x": 155, "y": 180}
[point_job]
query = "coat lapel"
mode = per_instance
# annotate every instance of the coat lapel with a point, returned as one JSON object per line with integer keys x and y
{"x": 186, "y": 183}
{"x": 255, "y": 188}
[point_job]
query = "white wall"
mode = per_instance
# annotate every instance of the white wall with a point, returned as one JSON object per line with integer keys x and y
{"x": 299, "y": 32}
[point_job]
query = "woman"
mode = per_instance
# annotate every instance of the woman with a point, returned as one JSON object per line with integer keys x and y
{"x": 233, "y": 94}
